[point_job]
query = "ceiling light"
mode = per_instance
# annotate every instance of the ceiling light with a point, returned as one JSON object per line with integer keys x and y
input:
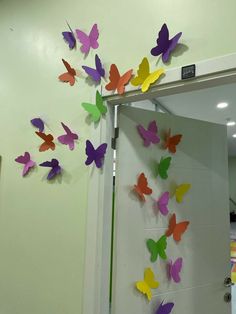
{"x": 234, "y": 135}
{"x": 230, "y": 123}
{"x": 222, "y": 105}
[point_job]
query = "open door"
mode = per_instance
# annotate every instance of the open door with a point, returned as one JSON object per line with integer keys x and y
{"x": 201, "y": 160}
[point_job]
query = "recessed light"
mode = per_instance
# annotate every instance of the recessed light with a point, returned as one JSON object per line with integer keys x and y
{"x": 230, "y": 123}
{"x": 234, "y": 135}
{"x": 222, "y": 105}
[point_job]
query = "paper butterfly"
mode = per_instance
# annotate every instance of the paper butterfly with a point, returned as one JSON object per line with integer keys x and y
{"x": 144, "y": 77}
{"x": 95, "y": 155}
{"x": 118, "y": 82}
{"x": 97, "y": 110}
{"x": 97, "y": 73}
{"x": 69, "y": 38}
{"x": 174, "y": 269}
{"x": 150, "y": 135}
{"x": 180, "y": 191}
{"x": 48, "y": 142}
{"x": 172, "y": 141}
{"x": 165, "y": 308}
{"x": 177, "y": 230}
{"x": 56, "y": 168}
{"x": 148, "y": 283}
{"x": 163, "y": 167}
{"x": 69, "y": 138}
{"x": 157, "y": 248}
{"x": 162, "y": 203}
{"x": 142, "y": 187}
{"x": 38, "y": 123}
{"x": 165, "y": 45}
{"x": 26, "y": 161}
{"x": 69, "y": 76}
{"x": 88, "y": 41}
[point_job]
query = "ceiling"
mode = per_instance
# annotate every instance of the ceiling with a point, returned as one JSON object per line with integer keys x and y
{"x": 201, "y": 105}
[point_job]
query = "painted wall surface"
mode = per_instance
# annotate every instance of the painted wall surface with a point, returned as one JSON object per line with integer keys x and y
{"x": 232, "y": 181}
{"x": 43, "y": 225}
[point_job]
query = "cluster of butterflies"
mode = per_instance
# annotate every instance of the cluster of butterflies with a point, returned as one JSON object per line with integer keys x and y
{"x": 69, "y": 139}
{"x": 117, "y": 82}
{"x": 157, "y": 248}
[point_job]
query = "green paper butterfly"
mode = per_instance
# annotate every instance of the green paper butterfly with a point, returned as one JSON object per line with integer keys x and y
{"x": 95, "y": 110}
{"x": 163, "y": 167}
{"x": 157, "y": 248}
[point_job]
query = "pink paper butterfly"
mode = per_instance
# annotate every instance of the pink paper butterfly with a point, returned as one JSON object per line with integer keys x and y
{"x": 88, "y": 41}
{"x": 26, "y": 161}
{"x": 69, "y": 138}
{"x": 162, "y": 203}
{"x": 149, "y": 135}
{"x": 175, "y": 269}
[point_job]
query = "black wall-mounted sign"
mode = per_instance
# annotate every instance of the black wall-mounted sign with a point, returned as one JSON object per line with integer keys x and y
{"x": 188, "y": 71}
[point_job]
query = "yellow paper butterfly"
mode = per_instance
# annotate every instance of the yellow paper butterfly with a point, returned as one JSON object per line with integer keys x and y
{"x": 144, "y": 77}
{"x": 148, "y": 283}
{"x": 180, "y": 191}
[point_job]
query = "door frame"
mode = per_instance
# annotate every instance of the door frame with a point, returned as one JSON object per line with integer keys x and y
{"x": 209, "y": 73}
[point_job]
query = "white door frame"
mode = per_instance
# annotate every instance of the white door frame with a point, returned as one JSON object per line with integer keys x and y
{"x": 209, "y": 73}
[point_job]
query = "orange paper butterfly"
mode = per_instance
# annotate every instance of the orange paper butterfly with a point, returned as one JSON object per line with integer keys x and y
{"x": 142, "y": 187}
{"x": 118, "y": 82}
{"x": 172, "y": 141}
{"x": 69, "y": 76}
{"x": 48, "y": 141}
{"x": 177, "y": 230}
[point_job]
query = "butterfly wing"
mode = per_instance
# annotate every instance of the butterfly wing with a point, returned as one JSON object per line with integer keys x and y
{"x": 90, "y": 152}
{"x": 67, "y": 78}
{"x": 172, "y": 141}
{"x": 142, "y": 73}
{"x": 69, "y": 39}
{"x": 48, "y": 141}
{"x": 149, "y": 278}
{"x": 152, "y": 78}
{"x": 179, "y": 230}
{"x": 84, "y": 40}
{"x": 100, "y": 103}
{"x": 93, "y": 111}
{"x": 143, "y": 185}
{"x": 93, "y": 36}
{"x": 56, "y": 169}
{"x": 162, "y": 203}
{"x": 161, "y": 247}
{"x": 123, "y": 81}
{"x": 99, "y": 66}
{"x": 93, "y": 73}
{"x": 38, "y": 123}
{"x": 145, "y": 135}
{"x": 172, "y": 45}
{"x": 165, "y": 308}
{"x": 175, "y": 270}
{"x": 162, "y": 41}
{"x": 69, "y": 68}
{"x": 172, "y": 225}
{"x": 163, "y": 167}
{"x": 152, "y": 127}
{"x": 30, "y": 164}
{"x": 152, "y": 248}
{"x": 68, "y": 138}
{"x": 23, "y": 159}
{"x": 181, "y": 190}
{"x": 100, "y": 154}
{"x": 143, "y": 288}
{"x": 114, "y": 77}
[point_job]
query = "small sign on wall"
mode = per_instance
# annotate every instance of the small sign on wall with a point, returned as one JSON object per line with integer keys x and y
{"x": 188, "y": 71}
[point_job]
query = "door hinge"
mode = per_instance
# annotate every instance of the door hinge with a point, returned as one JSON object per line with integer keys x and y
{"x": 113, "y": 140}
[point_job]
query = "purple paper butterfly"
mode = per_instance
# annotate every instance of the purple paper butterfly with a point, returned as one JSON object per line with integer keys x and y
{"x": 88, "y": 41}
{"x": 69, "y": 38}
{"x": 56, "y": 168}
{"x": 162, "y": 203}
{"x": 69, "y": 138}
{"x": 95, "y": 74}
{"x": 175, "y": 269}
{"x": 150, "y": 135}
{"x": 165, "y": 308}
{"x": 26, "y": 161}
{"x": 165, "y": 45}
{"x": 96, "y": 155}
{"x": 38, "y": 123}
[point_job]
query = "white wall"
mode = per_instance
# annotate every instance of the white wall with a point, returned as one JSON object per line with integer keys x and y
{"x": 232, "y": 181}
